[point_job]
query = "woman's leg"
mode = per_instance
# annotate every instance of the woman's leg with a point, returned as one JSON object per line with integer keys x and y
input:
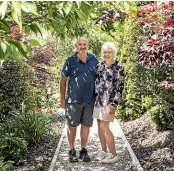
{"x": 101, "y": 137}
{"x": 104, "y": 127}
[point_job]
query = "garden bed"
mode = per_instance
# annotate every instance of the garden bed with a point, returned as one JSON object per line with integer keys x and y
{"x": 39, "y": 156}
{"x": 153, "y": 149}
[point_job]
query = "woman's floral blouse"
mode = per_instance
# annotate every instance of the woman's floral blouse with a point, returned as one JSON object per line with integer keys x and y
{"x": 109, "y": 84}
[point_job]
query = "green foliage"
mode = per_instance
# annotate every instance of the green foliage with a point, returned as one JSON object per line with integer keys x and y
{"x": 131, "y": 104}
{"x": 162, "y": 116}
{"x": 14, "y": 85}
{"x": 12, "y": 147}
{"x": 61, "y": 18}
{"x": 30, "y": 125}
{"x": 21, "y": 130}
{"x": 6, "y": 166}
{"x": 158, "y": 102}
{"x": 148, "y": 102}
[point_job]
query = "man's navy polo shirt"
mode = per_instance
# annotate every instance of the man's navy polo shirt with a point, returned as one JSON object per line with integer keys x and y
{"x": 81, "y": 79}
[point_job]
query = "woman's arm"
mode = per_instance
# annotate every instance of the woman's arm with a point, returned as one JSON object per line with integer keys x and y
{"x": 118, "y": 87}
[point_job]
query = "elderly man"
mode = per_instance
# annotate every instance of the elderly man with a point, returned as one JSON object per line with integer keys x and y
{"x": 79, "y": 70}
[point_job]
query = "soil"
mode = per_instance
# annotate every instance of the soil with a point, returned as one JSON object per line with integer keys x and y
{"x": 154, "y": 149}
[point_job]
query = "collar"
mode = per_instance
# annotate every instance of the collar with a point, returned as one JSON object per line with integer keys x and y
{"x": 114, "y": 64}
{"x": 78, "y": 60}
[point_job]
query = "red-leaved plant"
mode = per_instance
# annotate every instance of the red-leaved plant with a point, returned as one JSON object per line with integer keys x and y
{"x": 159, "y": 45}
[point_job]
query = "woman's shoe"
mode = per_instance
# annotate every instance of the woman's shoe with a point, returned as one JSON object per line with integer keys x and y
{"x": 110, "y": 158}
{"x": 101, "y": 155}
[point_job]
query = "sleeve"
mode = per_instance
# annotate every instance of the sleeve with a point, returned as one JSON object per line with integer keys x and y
{"x": 66, "y": 69}
{"x": 118, "y": 87}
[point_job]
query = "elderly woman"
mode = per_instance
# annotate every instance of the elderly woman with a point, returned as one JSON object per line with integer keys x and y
{"x": 108, "y": 88}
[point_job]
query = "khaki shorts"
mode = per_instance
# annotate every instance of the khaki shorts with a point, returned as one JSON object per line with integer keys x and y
{"x": 103, "y": 113}
{"x": 79, "y": 113}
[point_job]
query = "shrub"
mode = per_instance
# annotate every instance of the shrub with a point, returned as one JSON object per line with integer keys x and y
{"x": 19, "y": 131}
{"x": 14, "y": 84}
{"x": 130, "y": 106}
{"x": 11, "y": 146}
{"x": 162, "y": 116}
{"x": 6, "y": 166}
{"x": 30, "y": 125}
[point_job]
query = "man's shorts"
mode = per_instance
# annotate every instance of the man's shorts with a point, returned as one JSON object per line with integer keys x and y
{"x": 79, "y": 113}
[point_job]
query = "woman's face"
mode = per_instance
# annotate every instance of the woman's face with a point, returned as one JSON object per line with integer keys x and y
{"x": 108, "y": 55}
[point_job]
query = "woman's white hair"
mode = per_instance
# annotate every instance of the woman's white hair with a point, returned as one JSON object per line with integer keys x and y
{"x": 109, "y": 45}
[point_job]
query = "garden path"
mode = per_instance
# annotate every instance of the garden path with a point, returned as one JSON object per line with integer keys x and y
{"x": 127, "y": 162}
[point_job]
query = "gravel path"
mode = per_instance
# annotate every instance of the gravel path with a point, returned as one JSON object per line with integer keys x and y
{"x": 124, "y": 164}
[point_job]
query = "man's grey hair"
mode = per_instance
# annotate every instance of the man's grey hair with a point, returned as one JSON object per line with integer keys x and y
{"x": 109, "y": 45}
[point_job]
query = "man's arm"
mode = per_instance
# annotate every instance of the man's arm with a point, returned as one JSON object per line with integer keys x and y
{"x": 63, "y": 81}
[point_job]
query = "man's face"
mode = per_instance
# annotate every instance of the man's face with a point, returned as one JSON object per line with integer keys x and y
{"x": 82, "y": 45}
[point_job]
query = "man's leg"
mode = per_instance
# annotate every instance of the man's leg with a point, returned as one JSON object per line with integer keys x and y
{"x": 73, "y": 115}
{"x": 71, "y": 133}
{"x": 84, "y": 134}
{"x": 86, "y": 123}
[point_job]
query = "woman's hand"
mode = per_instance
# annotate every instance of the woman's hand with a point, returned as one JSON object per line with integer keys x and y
{"x": 112, "y": 109}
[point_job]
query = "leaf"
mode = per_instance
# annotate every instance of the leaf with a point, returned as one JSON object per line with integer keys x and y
{"x": 85, "y": 7}
{"x": 21, "y": 47}
{"x": 29, "y": 7}
{"x": 15, "y": 53}
{"x": 4, "y": 47}
{"x": 4, "y": 26}
{"x": 78, "y": 4}
{"x": 3, "y": 9}
{"x": 68, "y": 8}
{"x": 34, "y": 42}
{"x": 4, "y": 50}
{"x": 126, "y": 6}
{"x": 2, "y": 55}
{"x": 61, "y": 12}
{"x": 24, "y": 8}
{"x": 16, "y": 13}
{"x": 17, "y": 7}
{"x": 82, "y": 16}
{"x": 73, "y": 21}
{"x": 35, "y": 28}
{"x": 24, "y": 47}
{"x": 27, "y": 29}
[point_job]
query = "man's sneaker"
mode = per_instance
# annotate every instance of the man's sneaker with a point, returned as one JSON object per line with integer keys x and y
{"x": 101, "y": 155}
{"x": 84, "y": 155}
{"x": 110, "y": 158}
{"x": 72, "y": 155}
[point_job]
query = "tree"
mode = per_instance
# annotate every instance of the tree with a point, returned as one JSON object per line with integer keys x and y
{"x": 20, "y": 19}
